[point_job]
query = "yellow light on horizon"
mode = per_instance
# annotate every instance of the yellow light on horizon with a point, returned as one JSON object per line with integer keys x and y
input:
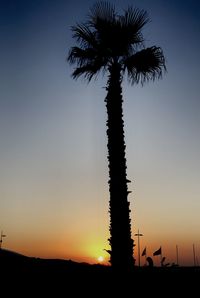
{"x": 100, "y": 259}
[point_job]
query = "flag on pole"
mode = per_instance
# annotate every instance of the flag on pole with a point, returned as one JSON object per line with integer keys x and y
{"x": 144, "y": 252}
{"x": 157, "y": 252}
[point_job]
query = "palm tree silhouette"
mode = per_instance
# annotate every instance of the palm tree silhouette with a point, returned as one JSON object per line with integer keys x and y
{"x": 114, "y": 43}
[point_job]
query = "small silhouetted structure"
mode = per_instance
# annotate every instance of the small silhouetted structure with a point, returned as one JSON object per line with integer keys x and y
{"x": 1, "y": 240}
{"x": 150, "y": 261}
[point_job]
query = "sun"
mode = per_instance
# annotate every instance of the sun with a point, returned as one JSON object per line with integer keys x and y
{"x": 100, "y": 259}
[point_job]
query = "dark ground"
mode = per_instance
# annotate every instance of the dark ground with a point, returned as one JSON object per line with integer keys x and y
{"x": 34, "y": 277}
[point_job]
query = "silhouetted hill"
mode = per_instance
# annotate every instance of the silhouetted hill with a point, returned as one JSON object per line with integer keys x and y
{"x": 65, "y": 276}
{"x": 10, "y": 255}
{"x": 16, "y": 262}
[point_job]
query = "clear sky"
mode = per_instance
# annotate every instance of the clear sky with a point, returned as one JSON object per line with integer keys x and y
{"x": 53, "y": 167}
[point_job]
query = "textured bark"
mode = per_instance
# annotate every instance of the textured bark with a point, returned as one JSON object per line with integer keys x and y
{"x": 121, "y": 254}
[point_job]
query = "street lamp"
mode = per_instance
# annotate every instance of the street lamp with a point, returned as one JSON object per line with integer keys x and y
{"x": 138, "y": 235}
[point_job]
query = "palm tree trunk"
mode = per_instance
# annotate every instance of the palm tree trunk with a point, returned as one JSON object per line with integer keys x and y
{"x": 121, "y": 255}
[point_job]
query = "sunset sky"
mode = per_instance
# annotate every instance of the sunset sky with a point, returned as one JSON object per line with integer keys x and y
{"x": 53, "y": 167}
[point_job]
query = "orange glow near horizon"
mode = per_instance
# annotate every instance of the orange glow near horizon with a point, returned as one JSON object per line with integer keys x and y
{"x": 92, "y": 250}
{"x": 77, "y": 248}
{"x": 85, "y": 240}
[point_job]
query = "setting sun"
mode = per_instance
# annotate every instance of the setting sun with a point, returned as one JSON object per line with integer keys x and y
{"x": 100, "y": 259}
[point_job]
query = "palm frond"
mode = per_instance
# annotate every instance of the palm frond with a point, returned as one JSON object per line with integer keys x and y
{"x": 135, "y": 18}
{"x": 119, "y": 33}
{"x": 89, "y": 70}
{"x": 145, "y": 65}
{"x": 81, "y": 56}
{"x": 84, "y": 36}
{"x": 132, "y": 22}
{"x": 101, "y": 10}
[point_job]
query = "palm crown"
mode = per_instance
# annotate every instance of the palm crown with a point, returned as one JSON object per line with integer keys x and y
{"x": 108, "y": 38}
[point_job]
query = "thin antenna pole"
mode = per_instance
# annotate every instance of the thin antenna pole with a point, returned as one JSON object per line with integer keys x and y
{"x": 194, "y": 255}
{"x": 177, "y": 260}
{"x": 146, "y": 257}
{"x": 138, "y": 235}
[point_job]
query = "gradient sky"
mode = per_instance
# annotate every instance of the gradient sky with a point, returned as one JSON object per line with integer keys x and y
{"x": 53, "y": 178}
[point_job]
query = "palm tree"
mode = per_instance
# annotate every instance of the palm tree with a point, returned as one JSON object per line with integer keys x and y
{"x": 114, "y": 43}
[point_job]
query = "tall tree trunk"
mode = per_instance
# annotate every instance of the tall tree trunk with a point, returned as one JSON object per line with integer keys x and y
{"x": 121, "y": 255}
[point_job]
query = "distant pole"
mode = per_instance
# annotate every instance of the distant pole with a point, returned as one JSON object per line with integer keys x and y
{"x": 194, "y": 255}
{"x": 161, "y": 258}
{"x": 146, "y": 258}
{"x": 138, "y": 235}
{"x": 177, "y": 260}
{"x": 1, "y": 240}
